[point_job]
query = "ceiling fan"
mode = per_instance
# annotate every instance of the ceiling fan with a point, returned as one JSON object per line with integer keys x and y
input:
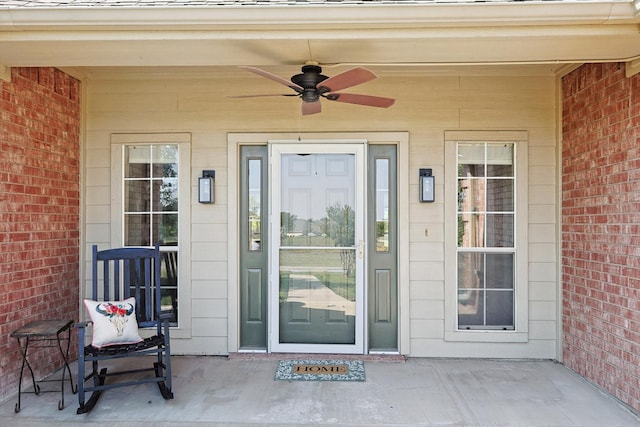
{"x": 311, "y": 85}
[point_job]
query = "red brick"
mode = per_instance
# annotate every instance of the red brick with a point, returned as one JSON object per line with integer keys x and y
{"x": 39, "y": 118}
{"x": 600, "y": 217}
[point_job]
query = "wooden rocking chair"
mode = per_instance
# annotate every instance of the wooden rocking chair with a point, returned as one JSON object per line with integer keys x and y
{"x": 125, "y": 274}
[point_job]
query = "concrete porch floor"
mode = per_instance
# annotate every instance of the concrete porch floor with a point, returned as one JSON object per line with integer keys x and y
{"x": 237, "y": 391}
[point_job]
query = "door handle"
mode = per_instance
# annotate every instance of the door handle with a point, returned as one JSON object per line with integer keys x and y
{"x": 360, "y": 249}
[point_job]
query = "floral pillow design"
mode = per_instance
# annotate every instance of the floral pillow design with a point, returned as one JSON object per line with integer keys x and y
{"x": 114, "y": 322}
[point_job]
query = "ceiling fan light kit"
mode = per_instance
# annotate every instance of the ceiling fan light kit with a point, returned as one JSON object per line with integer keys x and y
{"x": 310, "y": 85}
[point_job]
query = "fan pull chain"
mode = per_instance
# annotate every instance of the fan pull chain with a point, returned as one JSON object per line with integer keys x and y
{"x": 299, "y": 125}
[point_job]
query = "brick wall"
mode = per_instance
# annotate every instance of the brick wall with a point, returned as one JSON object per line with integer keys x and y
{"x": 601, "y": 227}
{"x": 39, "y": 213}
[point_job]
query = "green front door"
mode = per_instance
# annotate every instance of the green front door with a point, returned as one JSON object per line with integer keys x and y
{"x": 317, "y": 253}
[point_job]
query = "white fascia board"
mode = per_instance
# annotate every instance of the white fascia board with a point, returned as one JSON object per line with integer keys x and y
{"x": 313, "y": 16}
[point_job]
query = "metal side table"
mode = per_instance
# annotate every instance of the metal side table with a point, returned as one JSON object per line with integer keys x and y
{"x": 44, "y": 334}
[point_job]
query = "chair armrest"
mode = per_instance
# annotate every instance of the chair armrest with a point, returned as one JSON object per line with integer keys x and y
{"x": 164, "y": 318}
{"x": 81, "y": 327}
{"x": 162, "y": 321}
{"x": 82, "y": 324}
{"x": 166, "y": 315}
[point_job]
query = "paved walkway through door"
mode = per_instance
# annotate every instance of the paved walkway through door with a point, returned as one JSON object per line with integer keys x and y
{"x": 221, "y": 391}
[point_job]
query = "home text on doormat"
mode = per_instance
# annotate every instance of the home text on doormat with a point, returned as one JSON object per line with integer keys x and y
{"x": 320, "y": 370}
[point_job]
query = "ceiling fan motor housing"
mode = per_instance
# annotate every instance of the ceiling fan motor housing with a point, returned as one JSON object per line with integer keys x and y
{"x": 309, "y": 80}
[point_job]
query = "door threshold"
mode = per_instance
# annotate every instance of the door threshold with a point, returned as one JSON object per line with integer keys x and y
{"x": 397, "y": 358}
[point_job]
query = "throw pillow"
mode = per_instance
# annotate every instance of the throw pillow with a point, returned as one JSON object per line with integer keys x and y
{"x": 114, "y": 322}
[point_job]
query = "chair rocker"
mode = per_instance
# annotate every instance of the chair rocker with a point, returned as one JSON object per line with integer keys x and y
{"x": 124, "y": 273}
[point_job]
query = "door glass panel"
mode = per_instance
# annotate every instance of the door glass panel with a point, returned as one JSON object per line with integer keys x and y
{"x": 382, "y": 205}
{"x": 254, "y": 205}
{"x": 317, "y": 279}
{"x": 317, "y": 297}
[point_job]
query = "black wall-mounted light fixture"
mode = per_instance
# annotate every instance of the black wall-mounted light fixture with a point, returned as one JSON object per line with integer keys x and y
{"x": 206, "y": 188}
{"x": 427, "y": 186}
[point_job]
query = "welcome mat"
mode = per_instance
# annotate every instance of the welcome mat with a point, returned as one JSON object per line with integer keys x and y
{"x": 320, "y": 370}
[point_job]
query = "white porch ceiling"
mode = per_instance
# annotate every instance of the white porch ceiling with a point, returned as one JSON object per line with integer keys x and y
{"x": 536, "y": 36}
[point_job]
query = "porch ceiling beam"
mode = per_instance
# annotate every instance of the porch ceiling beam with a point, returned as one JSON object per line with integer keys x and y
{"x": 324, "y": 34}
{"x": 411, "y": 35}
{"x": 311, "y": 16}
{"x": 632, "y": 67}
{"x": 330, "y": 48}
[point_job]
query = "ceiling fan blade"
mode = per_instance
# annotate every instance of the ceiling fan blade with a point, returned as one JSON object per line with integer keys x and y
{"x": 349, "y": 78}
{"x": 371, "y": 101}
{"x": 272, "y": 77}
{"x": 311, "y": 108}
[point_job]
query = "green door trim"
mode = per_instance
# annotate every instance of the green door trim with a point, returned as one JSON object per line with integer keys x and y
{"x": 382, "y": 249}
{"x": 253, "y": 245}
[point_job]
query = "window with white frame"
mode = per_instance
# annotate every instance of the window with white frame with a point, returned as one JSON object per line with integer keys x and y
{"x": 486, "y": 235}
{"x": 150, "y": 209}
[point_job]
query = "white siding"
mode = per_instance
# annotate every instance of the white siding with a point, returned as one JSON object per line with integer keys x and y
{"x": 426, "y": 107}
